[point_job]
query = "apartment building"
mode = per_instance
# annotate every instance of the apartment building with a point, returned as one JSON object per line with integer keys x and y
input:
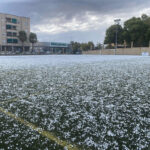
{"x": 10, "y": 25}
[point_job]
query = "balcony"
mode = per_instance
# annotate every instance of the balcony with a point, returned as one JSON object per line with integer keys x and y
{"x": 11, "y": 27}
{"x": 11, "y": 20}
{"x": 12, "y": 41}
{"x": 11, "y": 34}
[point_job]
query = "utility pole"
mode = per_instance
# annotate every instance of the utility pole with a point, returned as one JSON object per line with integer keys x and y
{"x": 117, "y": 21}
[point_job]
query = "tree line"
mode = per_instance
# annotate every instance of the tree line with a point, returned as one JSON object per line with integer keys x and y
{"x": 24, "y": 38}
{"x": 77, "y": 46}
{"x": 136, "y": 30}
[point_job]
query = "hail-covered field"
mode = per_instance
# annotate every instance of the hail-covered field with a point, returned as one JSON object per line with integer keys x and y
{"x": 91, "y": 102}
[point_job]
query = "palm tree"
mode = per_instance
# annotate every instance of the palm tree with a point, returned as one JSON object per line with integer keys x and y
{"x": 23, "y": 38}
{"x": 32, "y": 39}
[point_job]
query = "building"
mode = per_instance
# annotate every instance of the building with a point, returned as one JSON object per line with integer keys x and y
{"x": 53, "y": 48}
{"x": 10, "y": 25}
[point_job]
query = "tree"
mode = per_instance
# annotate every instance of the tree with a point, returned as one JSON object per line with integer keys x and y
{"x": 33, "y": 39}
{"x": 85, "y": 46}
{"x": 144, "y": 17}
{"x": 76, "y": 46}
{"x": 90, "y": 45}
{"x": 135, "y": 31}
{"x": 23, "y": 38}
{"x": 98, "y": 46}
{"x": 111, "y": 34}
{"x": 148, "y": 36}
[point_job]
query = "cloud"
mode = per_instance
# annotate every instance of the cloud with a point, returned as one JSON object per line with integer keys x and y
{"x": 55, "y": 25}
{"x": 63, "y": 17}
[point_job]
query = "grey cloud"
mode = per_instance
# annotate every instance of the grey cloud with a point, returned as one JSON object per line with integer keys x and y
{"x": 45, "y": 11}
{"x": 67, "y": 9}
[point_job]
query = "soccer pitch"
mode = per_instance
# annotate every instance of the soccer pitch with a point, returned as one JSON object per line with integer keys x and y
{"x": 74, "y": 102}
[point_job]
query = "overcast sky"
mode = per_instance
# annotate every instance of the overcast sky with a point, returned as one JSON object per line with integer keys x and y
{"x": 77, "y": 20}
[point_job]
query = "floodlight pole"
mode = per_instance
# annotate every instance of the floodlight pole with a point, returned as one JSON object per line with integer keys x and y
{"x": 117, "y": 21}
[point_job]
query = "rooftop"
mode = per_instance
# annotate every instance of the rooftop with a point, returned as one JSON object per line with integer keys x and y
{"x": 14, "y": 15}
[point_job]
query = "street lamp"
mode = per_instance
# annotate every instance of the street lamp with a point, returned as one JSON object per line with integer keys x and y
{"x": 117, "y": 21}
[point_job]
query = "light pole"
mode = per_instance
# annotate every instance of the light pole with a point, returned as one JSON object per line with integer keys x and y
{"x": 117, "y": 21}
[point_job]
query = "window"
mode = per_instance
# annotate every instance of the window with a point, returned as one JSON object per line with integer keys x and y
{"x": 12, "y": 41}
{"x": 8, "y": 20}
{"x": 14, "y": 20}
{"x": 13, "y": 27}
{"x": 8, "y": 26}
{"x": 15, "y": 41}
{"x": 9, "y": 40}
{"x": 9, "y": 33}
{"x": 14, "y": 34}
